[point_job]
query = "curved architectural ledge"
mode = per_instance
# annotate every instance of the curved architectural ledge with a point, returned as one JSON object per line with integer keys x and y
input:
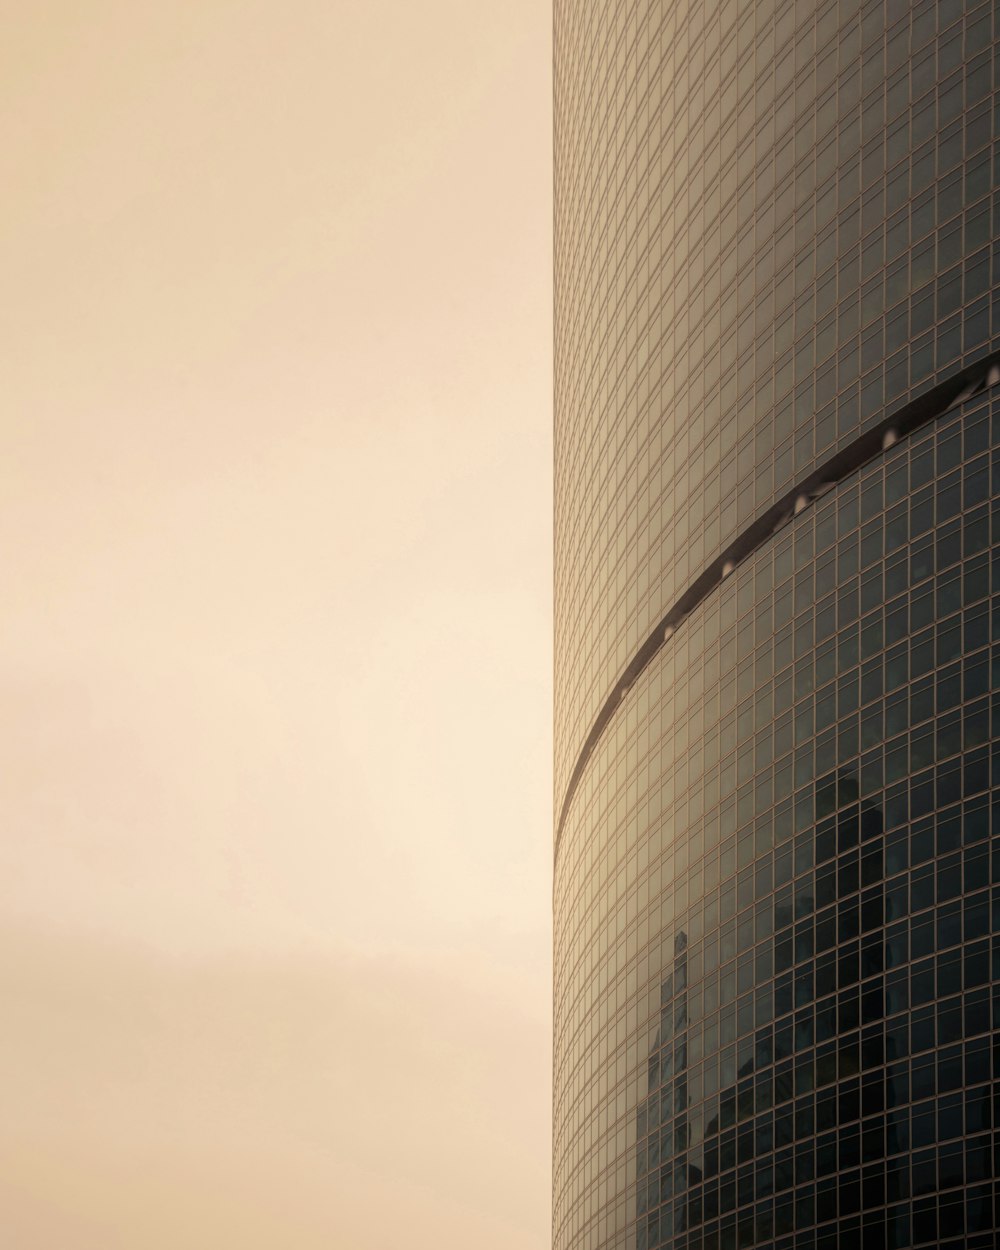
{"x": 933, "y": 403}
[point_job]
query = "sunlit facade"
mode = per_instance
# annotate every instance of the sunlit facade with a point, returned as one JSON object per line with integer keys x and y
{"x": 777, "y": 600}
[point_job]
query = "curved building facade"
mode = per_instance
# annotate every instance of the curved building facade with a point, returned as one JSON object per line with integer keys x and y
{"x": 777, "y": 361}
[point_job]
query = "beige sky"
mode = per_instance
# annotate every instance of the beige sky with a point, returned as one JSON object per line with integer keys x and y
{"x": 275, "y": 624}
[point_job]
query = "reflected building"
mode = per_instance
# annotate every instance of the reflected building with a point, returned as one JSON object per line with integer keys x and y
{"x": 663, "y": 1167}
{"x": 777, "y": 475}
{"x": 678, "y": 1171}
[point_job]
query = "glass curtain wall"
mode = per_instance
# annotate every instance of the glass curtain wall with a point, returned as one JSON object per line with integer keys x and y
{"x": 777, "y": 864}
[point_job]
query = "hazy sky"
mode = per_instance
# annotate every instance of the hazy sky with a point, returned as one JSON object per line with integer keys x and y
{"x": 275, "y": 624}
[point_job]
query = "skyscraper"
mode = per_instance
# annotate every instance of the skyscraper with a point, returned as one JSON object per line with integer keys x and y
{"x": 777, "y": 734}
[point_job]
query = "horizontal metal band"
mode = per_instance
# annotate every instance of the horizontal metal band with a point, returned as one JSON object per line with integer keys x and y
{"x": 918, "y": 412}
